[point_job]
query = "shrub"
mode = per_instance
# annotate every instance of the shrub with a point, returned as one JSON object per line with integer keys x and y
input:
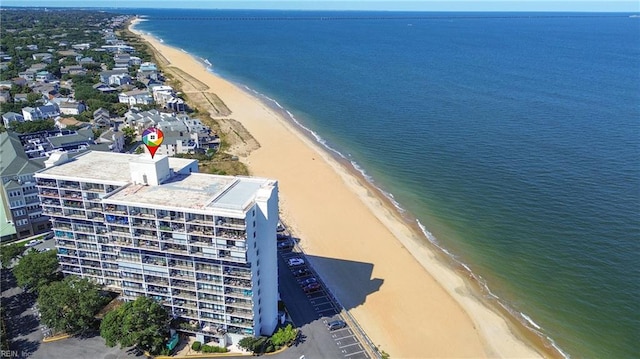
{"x": 270, "y": 348}
{"x": 213, "y": 349}
{"x": 196, "y": 346}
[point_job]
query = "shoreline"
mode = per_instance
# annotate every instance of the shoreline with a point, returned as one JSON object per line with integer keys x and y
{"x": 488, "y": 331}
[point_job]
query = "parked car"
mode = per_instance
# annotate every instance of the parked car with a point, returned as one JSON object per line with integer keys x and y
{"x": 301, "y": 272}
{"x": 288, "y": 244}
{"x": 41, "y": 250}
{"x": 282, "y": 236}
{"x": 49, "y": 235}
{"x": 308, "y": 281}
{"x": 295, "y": 262}
{"x": 336, "y": 324}
{"x": 33, "y": 242}
{"x": 311, "y": 287}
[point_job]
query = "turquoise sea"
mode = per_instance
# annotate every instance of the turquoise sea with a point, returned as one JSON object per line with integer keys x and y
{"x": 513, "y": 138}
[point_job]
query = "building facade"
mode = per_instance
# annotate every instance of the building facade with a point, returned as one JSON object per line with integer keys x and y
{"x": 19, "y": 194}
{"x": 204, "y": 246}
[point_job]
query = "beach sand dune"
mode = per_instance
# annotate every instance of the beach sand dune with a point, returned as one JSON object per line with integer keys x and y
{"x": 407, "y": 300}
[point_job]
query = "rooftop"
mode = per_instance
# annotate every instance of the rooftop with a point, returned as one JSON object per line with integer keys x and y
{"x": 195, "y": 191}
{"x": 103, "y": 167}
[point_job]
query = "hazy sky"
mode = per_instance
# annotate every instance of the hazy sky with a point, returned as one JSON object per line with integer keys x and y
{"x": 451, "y": 5}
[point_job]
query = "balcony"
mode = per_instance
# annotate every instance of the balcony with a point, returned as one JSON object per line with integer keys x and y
{"x": 188, "y": 313}
{"x": 70, "y": 185}
{"x": 232, "y": 234}
{"x": 71, "y": 195}
{"x": 113, "y": 209}
{"x": 158, "y": 261}
{"x": 242, "y": 283}
{"x": 49, "y": 193}
{"x": 185, "y": 295}
{"x": 91, "y": 187}
{"x": 129, "y": 258}
{"x": 188, "y": 275}
{"x": 208, "y": 268}
{"x": 231, "y": 223}
{"x": 240, "y": 273}
{"x": 118, "y": 220}
{"x": 157, "y": 280}
{"x": 183, "y": 284}
{"x": 247, "y": 293}
{"x": 209, "y": 278}
{"x": 144, "y": 223}
{"x": 157, "y": 290}
{"x": 46, "y": 183}
{"x": 201, "y": 241}
{"x": 180, "y": 264}
{"x": 240, "y": 312}
{"x": 200, "y": 230}
{"x": 211, "y": 298}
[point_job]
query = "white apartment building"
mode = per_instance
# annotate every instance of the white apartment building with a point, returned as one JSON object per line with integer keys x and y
{"x": 202, "y": 245}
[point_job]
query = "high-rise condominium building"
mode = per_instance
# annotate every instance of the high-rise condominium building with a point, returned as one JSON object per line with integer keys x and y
{"x": 202, "y": 245}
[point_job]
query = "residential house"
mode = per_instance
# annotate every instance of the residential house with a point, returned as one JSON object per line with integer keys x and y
{"x": 86, "y": 61}
{"x": 72, "y": 108}
{"x": 44, "y": 76}
{"x": 104, "y": 75}
{"x": 40, "y": 113}
{"x": 48, "y": 90}
{"x": 6, "y": 84}
{"x": 136, "y": 97}
{"x": 19, "y": 81}
{"x": 122, "y": 60}
{"x": 5, "y": 96}
{"x": 162, "y": 93}
{"x": 65, "y": 122}
{"x": 102, "y": 118}
{"x": 81, "y": 47}
{"x": 114, "y": 139}
{"x": 80, "y": 139}
{"x": 32, "y": 47}
{"x": 176, "y": 104}
{"x": 43, "y": 56}
{"x": 118, "y": 48}
{"x": 148, "y": 70}
{"x": 28, "y": 75}
{"x": 104, "y": 88}
{"x": 73, "y": 70}
{"x": 18, "y": 191}
{"x": 68, "y": 53}
{"x": 20, "y": 97}
{"x": 9, "y": 117}
{"x": 119, "y": 79}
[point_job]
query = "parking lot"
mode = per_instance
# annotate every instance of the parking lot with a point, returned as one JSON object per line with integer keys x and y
{"x": 325, "y": 308}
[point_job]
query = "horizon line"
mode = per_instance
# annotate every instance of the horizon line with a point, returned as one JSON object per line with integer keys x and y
{"x": 312, "y": 10}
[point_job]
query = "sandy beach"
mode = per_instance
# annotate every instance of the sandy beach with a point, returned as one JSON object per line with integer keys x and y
{"x": 406, "y": 298}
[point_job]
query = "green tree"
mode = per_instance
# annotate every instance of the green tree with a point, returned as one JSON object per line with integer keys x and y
{"x": 9, "y": 252}
{"x": 33, "y": 126}
{"x": 64, "y": 91}
{"x": 142, "y": 322}
{"x": 119, "y": 108}
{"x": 36, "y": 270}
{"x": 284, "y": 336}
{"x": 248, "y": 343}
{"x": 71, "y": 304}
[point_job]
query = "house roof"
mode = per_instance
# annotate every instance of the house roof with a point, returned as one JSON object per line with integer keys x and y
{"x": 14, "y": 161}
{"x": 78, "y": 137}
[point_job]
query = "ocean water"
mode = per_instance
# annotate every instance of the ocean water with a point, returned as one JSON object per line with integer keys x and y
{"x": 514, "y": 139}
